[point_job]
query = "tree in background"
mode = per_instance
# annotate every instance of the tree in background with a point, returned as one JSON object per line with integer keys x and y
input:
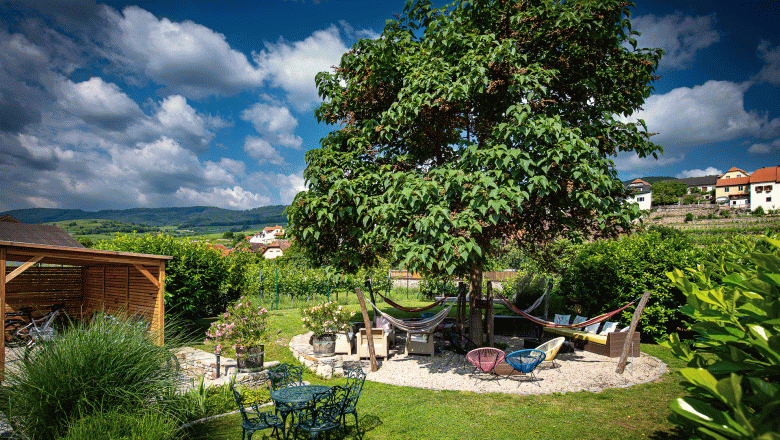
{"x": 478, "y": 121}
{"x": 668, "y": 192}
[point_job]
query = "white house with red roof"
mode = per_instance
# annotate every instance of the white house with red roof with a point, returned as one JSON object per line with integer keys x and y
{"x": 268, "y": 236}
{"x": 765, "y": 188}
{"x": 641, "y": 193}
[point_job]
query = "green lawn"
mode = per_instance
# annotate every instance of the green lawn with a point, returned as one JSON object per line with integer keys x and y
{"x": 392, "y": 412}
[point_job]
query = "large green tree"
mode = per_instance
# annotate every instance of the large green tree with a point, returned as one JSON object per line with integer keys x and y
{"x": 481, "y": 120}
{"x": 668, "y": 192}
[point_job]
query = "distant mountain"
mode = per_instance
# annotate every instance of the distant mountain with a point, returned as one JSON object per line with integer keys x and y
{"x": 194, "y": 216}
{"x": 652, "y": 179}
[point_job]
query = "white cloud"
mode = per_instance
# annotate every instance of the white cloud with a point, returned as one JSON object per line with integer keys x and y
{"x": 289, "y": 186}
{"x": 771, "y": 56}
{"x": 712, "y": 112}
{"x": 679, "y": 36}
{"x": 765, "y": 148}
{"x": 709, "y": 171}
{"x": 686, "y": 118}
{"x": 275, "y": 123}
{"x": 292, "y": 66}
{"x": 97, "y": 102}
{"x": 235, "y": 198}
{"x": 179, "y": 118}
{"x": 187, "y": 57}
{"x": 261, "y": 150}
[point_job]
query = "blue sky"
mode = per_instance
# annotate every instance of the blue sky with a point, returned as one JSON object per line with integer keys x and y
{"x": 177, "y": 103}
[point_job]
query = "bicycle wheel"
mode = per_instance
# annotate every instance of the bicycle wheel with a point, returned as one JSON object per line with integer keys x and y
{"x": 13, "y": 336}
{"x": 33, "y": 349}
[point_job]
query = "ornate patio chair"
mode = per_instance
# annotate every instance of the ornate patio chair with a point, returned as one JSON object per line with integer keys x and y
{"x": 283, "y": 376}
{"x": 525, "y": 361}
{"x": 252, "y": 419}
{"x": 485, "y": 359}
{"x": 460, "y": 345}
{"x": 322, "y": 413}
{"x": 355, "y": 379}
{"x": 551, "y": 348}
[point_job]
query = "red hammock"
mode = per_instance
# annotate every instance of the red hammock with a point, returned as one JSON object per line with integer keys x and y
{"x": 544, "y": 323}
{"x": 411, "y": 309}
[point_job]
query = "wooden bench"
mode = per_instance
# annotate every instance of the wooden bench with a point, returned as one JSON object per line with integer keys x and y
{"x": 610, "y": 345}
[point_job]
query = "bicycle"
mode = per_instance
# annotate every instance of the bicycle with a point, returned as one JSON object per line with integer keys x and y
{"x": 35, "y": 331}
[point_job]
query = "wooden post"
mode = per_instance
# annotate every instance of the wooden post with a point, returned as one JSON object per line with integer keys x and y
{"x": 369, "y": 326}
{"x": 630, "y": 336}
{"x": 2, "y": 309}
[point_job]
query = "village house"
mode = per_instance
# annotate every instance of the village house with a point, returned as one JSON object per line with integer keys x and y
{"x": 268, "y": 236}
{"x": 703, "y": 184}
{"x": 641, "y": 193}
{"x": 765, "y": 188}
{"x": 733, "y": 188}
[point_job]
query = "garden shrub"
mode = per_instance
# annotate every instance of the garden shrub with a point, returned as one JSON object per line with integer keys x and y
{"x": 120, "y": 425}
{"x": 107, "y": 364}
{"x": 733, "y": 371}
{"x": 607, "y": 274}
{"x": 193, "y": 279}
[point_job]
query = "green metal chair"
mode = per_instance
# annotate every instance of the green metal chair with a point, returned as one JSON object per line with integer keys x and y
{"x": 323, "y": 413}
{"x": 283, "y": 376}
{"x": 355, "y": 379}
{"x": 252, "y": 419}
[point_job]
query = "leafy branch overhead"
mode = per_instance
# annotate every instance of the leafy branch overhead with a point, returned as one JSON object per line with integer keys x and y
{"x": 476, "y": 121}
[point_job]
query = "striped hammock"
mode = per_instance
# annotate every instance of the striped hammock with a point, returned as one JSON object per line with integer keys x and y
{"x": 421, "y": 326}
{"x": 544, "y": 323}
{"x": 411, "y": 309}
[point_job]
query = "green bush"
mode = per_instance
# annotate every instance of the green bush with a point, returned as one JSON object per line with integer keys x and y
{"x": 607, "y": 274}
{"x": 759, "y": 212}
{"x": 733, "y": 371}
{"x": 688, "y": 217}
{"x": 105, "y": 365}
{"x": 120, "y": 425}
{"x": 199, "y": 281}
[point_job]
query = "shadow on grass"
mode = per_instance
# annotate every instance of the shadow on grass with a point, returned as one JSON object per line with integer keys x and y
{"x": 676, "y": 433}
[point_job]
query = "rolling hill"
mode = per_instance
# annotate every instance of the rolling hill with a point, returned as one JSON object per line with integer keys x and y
{"x": 187, "y": 217}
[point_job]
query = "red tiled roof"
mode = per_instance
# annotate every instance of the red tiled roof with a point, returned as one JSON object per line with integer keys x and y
{"x": 733, "y": 181}
{"x": 736, "y": 169}
{"x": 766, "y": 174}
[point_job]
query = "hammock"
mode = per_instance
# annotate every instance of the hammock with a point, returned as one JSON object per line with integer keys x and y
{"x": 421, "y": 326}
{"x": 411, "y": 309}
{"x": 544, "y": 323}
{"x": 538, "y": 301}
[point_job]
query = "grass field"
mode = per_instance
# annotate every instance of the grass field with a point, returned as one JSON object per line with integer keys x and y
{"x": 393, "y": 412}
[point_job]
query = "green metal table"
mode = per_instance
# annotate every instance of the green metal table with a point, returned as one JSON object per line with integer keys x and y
{"x": 296, "y": 396}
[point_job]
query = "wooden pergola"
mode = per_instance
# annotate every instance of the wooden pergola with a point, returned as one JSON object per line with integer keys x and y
{"x": 86, "y": 280}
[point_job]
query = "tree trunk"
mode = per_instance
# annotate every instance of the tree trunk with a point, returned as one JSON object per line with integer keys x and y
{"x": 475, "y": 312}
{"x": 460, "y": 312}
{"x": 489, "y": 323}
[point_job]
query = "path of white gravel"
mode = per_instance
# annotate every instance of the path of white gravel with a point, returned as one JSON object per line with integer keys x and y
{"x": 576, "y": 371}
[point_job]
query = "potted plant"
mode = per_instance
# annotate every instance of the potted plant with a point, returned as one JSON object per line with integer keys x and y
{"x": 242, "y": 326}
{"x": 325, "y": 320}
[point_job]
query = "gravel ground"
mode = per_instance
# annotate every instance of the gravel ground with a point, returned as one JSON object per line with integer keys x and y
{"x": 577, "y": 371}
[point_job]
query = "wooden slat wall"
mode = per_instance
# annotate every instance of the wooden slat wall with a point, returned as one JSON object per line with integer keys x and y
{"x": 40, "y": 287}
{"x": 122, "y": 289}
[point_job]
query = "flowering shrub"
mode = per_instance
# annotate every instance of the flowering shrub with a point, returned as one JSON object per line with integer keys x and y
{"x": 329, "y": 317}
{"x": 241, "y": 326}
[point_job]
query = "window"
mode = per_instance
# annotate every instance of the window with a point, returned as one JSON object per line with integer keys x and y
{"x": 768, "y": 187}
{"x": 741, "y": 187}
{"x": 768, "y": 199}
{"x": 727, "y": 189}
{"x": 640, "y": 199}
